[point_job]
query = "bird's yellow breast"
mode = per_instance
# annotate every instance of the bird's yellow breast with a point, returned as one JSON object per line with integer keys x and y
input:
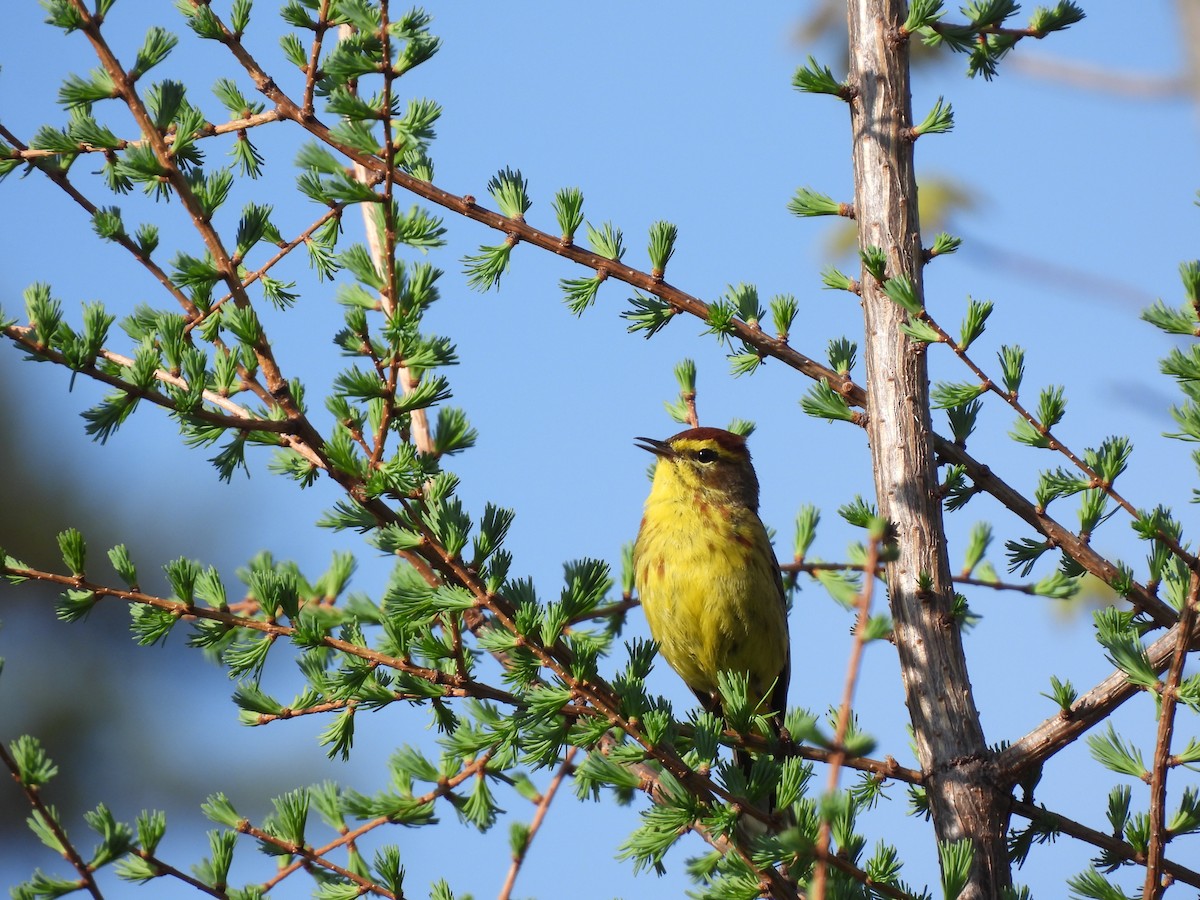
{"x": 709, "y": 584}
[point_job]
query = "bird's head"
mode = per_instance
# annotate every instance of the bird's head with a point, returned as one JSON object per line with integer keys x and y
{"x": 709, "y": 460}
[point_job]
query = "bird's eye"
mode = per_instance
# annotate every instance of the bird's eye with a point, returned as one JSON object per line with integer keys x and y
{"x": 706, "y": 455}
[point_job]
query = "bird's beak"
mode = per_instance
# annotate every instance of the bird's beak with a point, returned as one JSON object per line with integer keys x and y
{"x": 658, "y": 448}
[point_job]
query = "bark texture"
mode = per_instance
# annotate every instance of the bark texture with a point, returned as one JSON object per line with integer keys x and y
{"x": 950, "y": 743}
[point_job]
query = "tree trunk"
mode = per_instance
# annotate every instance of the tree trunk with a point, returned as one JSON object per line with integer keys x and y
{"x": 950, "y": 743}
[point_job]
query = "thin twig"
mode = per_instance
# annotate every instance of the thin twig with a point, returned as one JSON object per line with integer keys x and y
{"x": 188, "y": 611}
{"x": 1052, "y": 442}
{"x": 622, "y": 606}
{"x": 1153, "y": 887}
{"x": 240, "y": 418}
{"x": 1017, "y": 33}
{"x": 1106, "y": 842}
{"x": 625, "y": 604}
{"x": 302, "y": 238}
{"x": 314, "y": 57}
{"x": 838, "y": 756}
{"x": 383, "y": 254}
{"x": 881, "y": 888}
{"x": 1058, "y": 535}
{"x": 693, "y": 416}
{"x": 538, "y": 817}
{"x": 166, "y": 869}
{"x": 811, "y": 568}
{"x": 317, "y": 857}
{"x": 60, "y": 178}
{"x": 87, "y": 879}
{"x": 351, "y": 835}
{"x": 28, "y": 154}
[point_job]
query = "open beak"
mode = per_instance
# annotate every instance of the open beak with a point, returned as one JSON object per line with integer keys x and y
{"x": 658, "y": 448}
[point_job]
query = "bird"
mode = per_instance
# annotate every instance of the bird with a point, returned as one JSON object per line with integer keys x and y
{"x": 706, "y": 573}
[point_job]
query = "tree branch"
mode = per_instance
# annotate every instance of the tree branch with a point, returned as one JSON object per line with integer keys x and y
{"x": 87, "y": 879}
{"x": 538, "y": 817}
{"x": 1105, "y": 842}
{"x": 1153, "y": 887}
{"x": 838, "y": 756}
{"x": 1056, "y": 732}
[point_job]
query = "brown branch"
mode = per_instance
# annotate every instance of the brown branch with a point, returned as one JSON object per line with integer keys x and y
{"x": 346, "y": 839}
{"x": 693, "y": 416}
{"x": 884, "y": 768}
{"x": 623, "y": 605}
{"x": 59, "y": 177}
{"x": 239, "y": 418}
{"x": 1053, "y": 443}
{"x": 838, "y": 756}
{"x": 811, "y": 568}
{"x": 314, "y": 57}
{"x": 302, "y": 238}
{"x": 947, "y": 27}
{"x": 877, "y": 887}
{"x": 317, "y": 857}
{"x": 338, "y": 705}
{"x": 87, "y": 879}
{"x": 456, "y": 641}
{"x": 1153, "y": 887}
{"x": 538, "y": 817}
{"x": 1058, "y": 535}
{"x": 166, "y": 869}
{"x": 27, "y": 154}
{"x": 188, "y": 611}
{"x": 1106, "y": 842}
{"x": 1061, "y": 729}
{"x": 312, "y": 858}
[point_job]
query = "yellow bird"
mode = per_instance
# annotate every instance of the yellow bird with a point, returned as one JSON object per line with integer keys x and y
{"x": 706, "y": 573}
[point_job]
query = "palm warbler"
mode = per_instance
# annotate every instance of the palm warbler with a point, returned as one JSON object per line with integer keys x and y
{"x": 706, "y": 573}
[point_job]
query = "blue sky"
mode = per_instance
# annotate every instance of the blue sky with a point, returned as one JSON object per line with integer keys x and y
{"x": 676, "y": 111}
